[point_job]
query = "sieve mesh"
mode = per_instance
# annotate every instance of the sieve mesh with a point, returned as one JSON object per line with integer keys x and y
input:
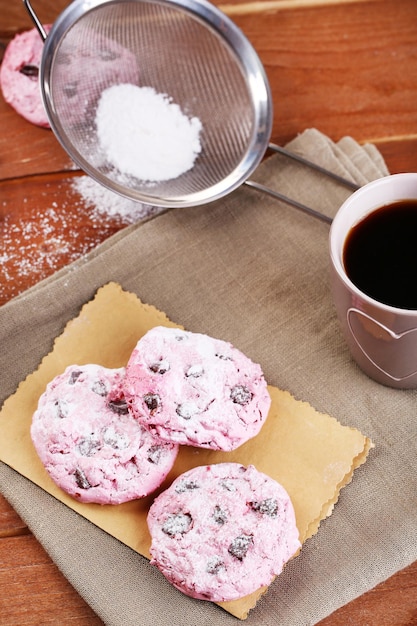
{"x": 194, "y": 55}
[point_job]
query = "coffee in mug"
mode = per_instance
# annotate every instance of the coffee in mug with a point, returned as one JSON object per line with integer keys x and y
{"x": 380, "y": 254}
{"x": 373, "y": 252}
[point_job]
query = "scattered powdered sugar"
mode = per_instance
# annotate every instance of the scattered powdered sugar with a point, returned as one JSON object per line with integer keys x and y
{"x": 109, "y": 203}
{"x": 39, "y": 237}
{"x": 146, "y": 135}
{"x": 34, "y": 248}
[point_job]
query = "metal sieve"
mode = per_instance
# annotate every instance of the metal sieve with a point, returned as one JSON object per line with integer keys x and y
{"x": 186, "y": 49}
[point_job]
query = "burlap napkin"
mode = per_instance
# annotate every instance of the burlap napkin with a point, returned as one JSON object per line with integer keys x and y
{"x": 255, "y": 271}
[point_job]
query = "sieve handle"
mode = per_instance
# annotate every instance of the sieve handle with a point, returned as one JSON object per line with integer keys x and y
{"x": 35, "y": 19}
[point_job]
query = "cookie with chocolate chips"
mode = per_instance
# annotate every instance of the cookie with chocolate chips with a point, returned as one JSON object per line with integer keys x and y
{"x": 195, "y": 390}
{"x": 220, "y": 532}
{"x": 83, "y": 68}
{"x": 19, "y": 76}
{"x": 90, "y": 445}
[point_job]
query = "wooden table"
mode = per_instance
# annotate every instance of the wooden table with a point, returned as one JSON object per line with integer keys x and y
{"x": 346, "y": 67}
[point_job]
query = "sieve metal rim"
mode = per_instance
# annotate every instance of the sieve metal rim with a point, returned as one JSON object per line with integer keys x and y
{"x": 250, "y": 63}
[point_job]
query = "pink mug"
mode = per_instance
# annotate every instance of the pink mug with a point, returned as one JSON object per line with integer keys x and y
{"x": 382, "y": 338}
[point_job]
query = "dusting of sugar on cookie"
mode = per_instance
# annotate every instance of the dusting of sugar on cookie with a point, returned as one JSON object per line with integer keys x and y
{"x": 220, "y": 544}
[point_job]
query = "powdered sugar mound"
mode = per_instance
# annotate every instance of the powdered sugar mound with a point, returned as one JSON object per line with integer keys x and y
{"x": 146, "y": 135}
{"x": 109, "y": 203}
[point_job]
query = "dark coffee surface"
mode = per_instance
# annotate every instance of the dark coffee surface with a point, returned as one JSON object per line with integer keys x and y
{"x": 380, "y": 254}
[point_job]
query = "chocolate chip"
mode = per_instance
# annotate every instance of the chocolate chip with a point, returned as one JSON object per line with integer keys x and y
{"x": 177, "y": 524}
{"x": 118, "y": 406}
{"x": 61, "y": 409}
{"x": 240, "y": 395}
{"x": 186, "y": 410}
{"x": 114, "y": 439}
{"x": 223, "y": 357}
{"x": 239, "y": 546}
{"x": 81, "y": 479}
{"x": 219, "y": 515}
{"x": 70, "y": 89}
{"x": 214, "y": 565}
{"x": 186, "y": 485}
{"x": 74, "y": 376}
{"x": 108, "y": 55}
{"x": 99, "y": 388}
{"x": 195, "y": 371}
{"x": 152, "y": 401}
{"x": 159, "y": 367}
{"x": 266, "y": 507}
{"x": 154, "y": 454}
{"x": 88, "y": 446}
{"x": 31, "y": 71}
{"x": 229, "y": 485}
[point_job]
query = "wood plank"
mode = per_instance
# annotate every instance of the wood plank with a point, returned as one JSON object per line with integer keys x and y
{"x": 33, "y": 590}
{"x": 338, "y": 69}
{"x": 392, "y": 603}
{"x": 321, "y": 74}
{"x": 23, "y": 601}
{"x": 40, "y": 214}
{"x": 46, "y": 225}
{"x": 26, "y": 149}
{"x": 15, "y": 18}
{"x": 314, "y": 58}
{"x": 239, "y": 7}
{"x": 400, "y": 154}
{"x": 10, "y": 523}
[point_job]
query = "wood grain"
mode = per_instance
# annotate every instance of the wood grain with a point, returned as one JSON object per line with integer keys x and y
{"x": 340, "y": 69}
{"x": 346, "y": 67}
{"x": 46, "y": 225}
{"x": 10, "y": 523}
{"x": 33, "y": 591}
{"x": 392, "y": 603}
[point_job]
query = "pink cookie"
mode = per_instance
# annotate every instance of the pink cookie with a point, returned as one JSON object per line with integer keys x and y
{"x": 195, "y": 390}
{"x": 90, "y": 445}
{"x": 220, "y": 532}
{"x": 84, "y": 69}
{"x": 19, "y": 76}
